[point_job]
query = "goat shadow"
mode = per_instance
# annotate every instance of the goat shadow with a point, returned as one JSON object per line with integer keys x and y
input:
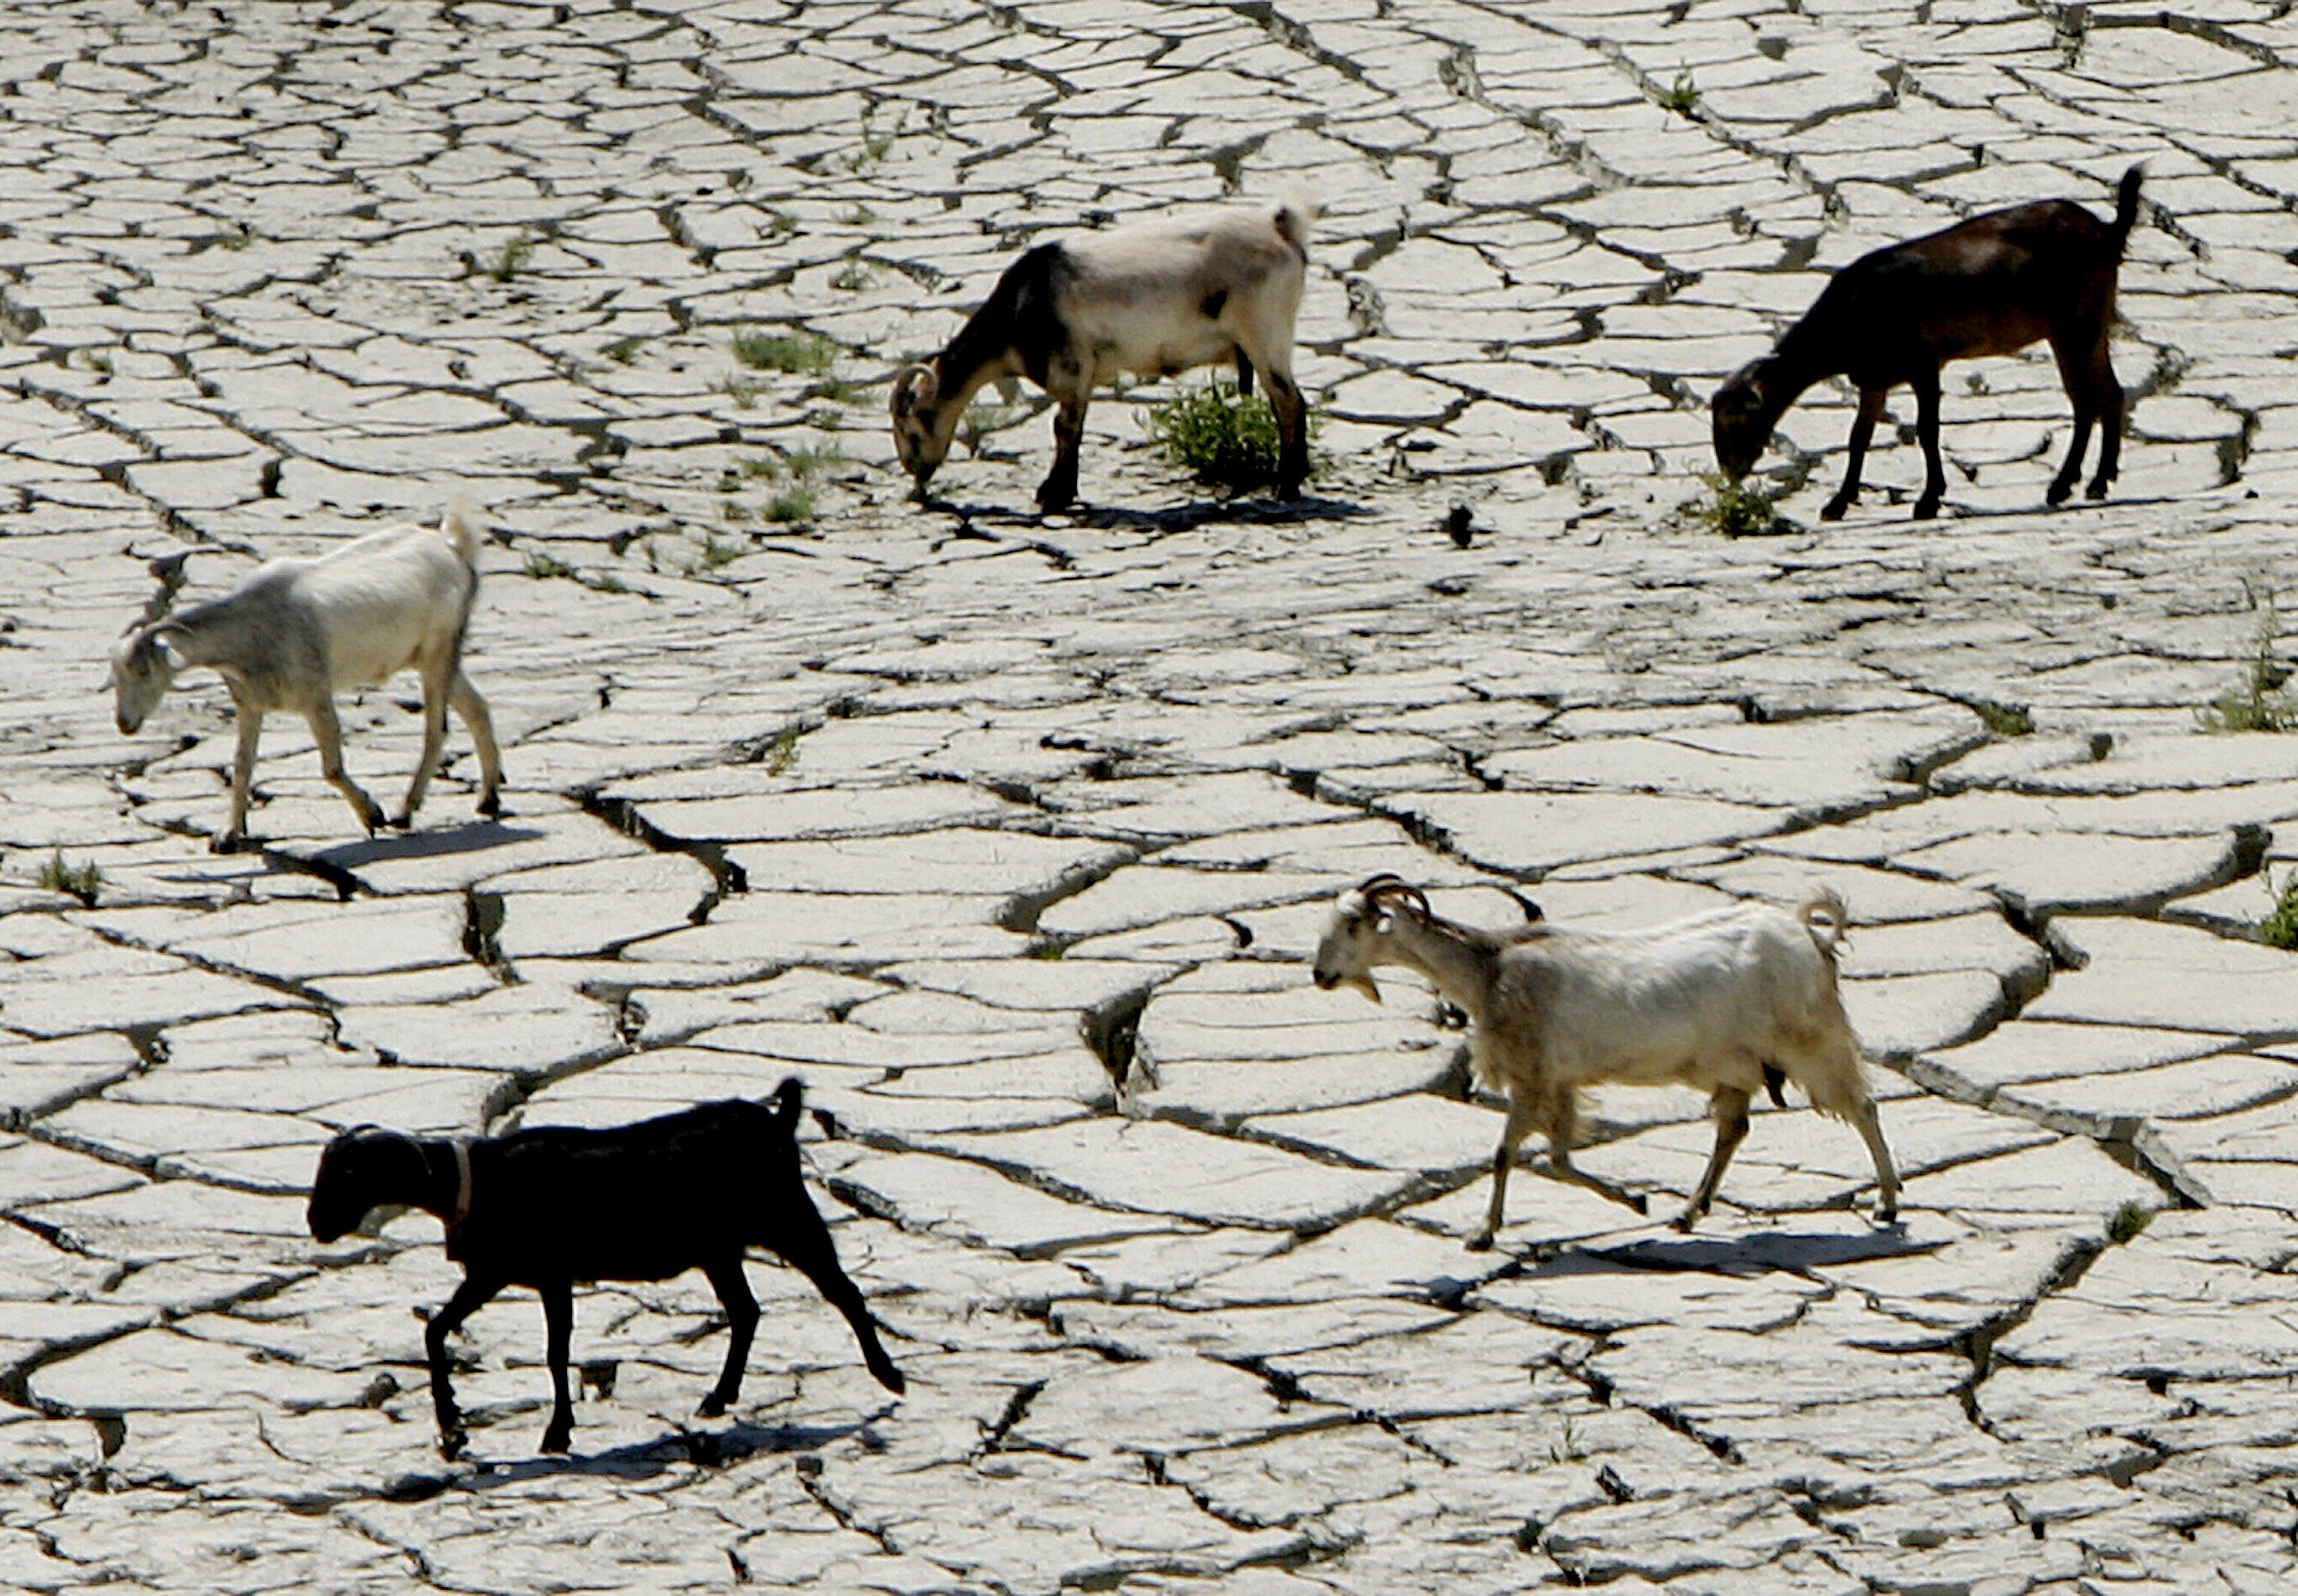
{"x": 1177, "y": 518}
{"x": 431, "y": 843}
{"x": 640, "y": 1459}
{"x": 1768, "y": 1252}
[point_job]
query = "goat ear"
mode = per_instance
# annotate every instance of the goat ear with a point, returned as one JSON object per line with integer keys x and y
{"x": 915, "y": 387}
{"x": 167, "y": 653}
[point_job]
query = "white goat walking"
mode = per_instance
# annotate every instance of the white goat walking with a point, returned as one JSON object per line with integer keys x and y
{"x": 1724, "y": 1002}
{"x": 1154, "y": 298}
{"x": 297, "y": 630}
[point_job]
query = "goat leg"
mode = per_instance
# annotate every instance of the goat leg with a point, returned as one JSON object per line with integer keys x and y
{"x": 329, "y": 734}
{"x": 806, "y": 1248}
{"x": 558, "y": 1329}
{"x": 1887, "y": 1177}
{"x": 481, "y": 725}
{"x": 2109, "y": 438}
{"x": 467, "y": 1297}
{"x": 1520, "y": 1116}
{"x": 1926, "y": 384}
{"x": 1731, "y": 1109}
{"x": 1243, "y": 374}
{"x": 1863, "y": 428}
{"x": 1061, "y": 483}
{"x": 1292, "y": 431}
{"x": 434, "y": 739}
{"x": 733, "y": 1288}
{"x": 243, "y": 775}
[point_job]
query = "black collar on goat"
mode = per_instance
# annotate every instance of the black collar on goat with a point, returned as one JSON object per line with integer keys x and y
{"x": 549, "y": 1206}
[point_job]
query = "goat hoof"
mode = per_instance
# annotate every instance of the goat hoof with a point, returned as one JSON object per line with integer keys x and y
{"x": 890, "y": 1378}
{"x": 1926, "y": 509}
{"x": 2097, "y": 490}
{"x": 1833, "y": 509}
{"x": 1480, "y": 1244}
{"x": 557, "y": 1437}
{"x": 451, "y": 1444}
{"x": 491, "y": 804}
{"x": 713, "y": 1406}
{"x": 1888, "y": 1216}
{"x": 2057, "y": 495}
{"x": 230, "y": 841}
{"x": 399, "y": 822}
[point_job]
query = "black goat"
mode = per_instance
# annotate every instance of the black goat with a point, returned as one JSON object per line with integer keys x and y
{"x": 1987, "y": 287}
{"x": 549, "y": 1206}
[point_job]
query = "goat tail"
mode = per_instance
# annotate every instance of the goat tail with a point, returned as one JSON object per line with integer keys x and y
{"x": 2125, "y": 209}
{"x": 462, "y": 527}
{"x": 789, "y": 1097}
{"x": 1824, "y": 915}
{"x": 1296, "y": 214}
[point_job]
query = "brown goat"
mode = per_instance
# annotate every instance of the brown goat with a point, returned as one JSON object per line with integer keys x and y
{"x": 1989, "y": 286}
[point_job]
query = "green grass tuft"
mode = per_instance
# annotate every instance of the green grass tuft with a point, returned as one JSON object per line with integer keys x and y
{"x": 792, "y": 505}
{"x": 77, "y": 880}
{"x": 2260, "y": 703}
{"x": 782, "y": 754}
{"x": 2003, "y": 720}
{"x": 512, "y": 258}
{"x": 2129, "y": 1221}
{"x": 1683, "y": 98}
{"x": 1222, "y": 439}
{"x": 1736, "y": 509}
{"x": 623, "y": 351}
{"x": 2279, "y": 928}
{"x": 803, "y": 354}
{"x": 544, "y": 566}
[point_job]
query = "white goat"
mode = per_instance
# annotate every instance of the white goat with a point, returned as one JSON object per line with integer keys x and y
{"x": 1724, "y": 1002}
{"x": 1154, "y": 298}
{"x": 297, "y": 630}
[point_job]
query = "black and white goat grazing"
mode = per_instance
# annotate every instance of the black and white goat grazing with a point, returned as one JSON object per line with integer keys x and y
{"x": 299, "y": 630}
{"x": 1989, "y": 286}
{"x": 1724, "y": 1002}
{"x": 1152, "y": 298}
{"x": 547, "y": 1208}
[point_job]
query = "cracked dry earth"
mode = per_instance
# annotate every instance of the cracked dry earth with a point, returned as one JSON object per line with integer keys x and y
{"x": 1009, "y": 836}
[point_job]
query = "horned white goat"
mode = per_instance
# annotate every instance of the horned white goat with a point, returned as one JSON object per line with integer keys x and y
{"x": 1153, "y": 298}
{"x": 297, "y": 630}
{"x": 1724, "y": 1002}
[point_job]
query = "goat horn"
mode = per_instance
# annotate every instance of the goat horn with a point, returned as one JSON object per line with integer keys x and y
{"x": 168, "y": 570}
{"x": 1387, "y": 885}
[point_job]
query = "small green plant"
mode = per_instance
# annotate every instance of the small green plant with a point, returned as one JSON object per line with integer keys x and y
{"x": 512, "y": 258}
{"x": 809, "y": 461}
{"x": 605, "y": 581}
{"x": 854, "y": 277}
{"x": 1682, "y": 97}
{"x": 623, "y": 351}
{"x": 981, "y": 420}
{"x": 782, "y": 754}
{"x": 778, "y": 225}
{"x": 544, "y": 566}
{"x": 861, "y": 216}
{"x": 100, "y": 360}
{"x": 235, "y": 237}
{"x": 2279, "y": 928}
{"x": 1566, "y": 1448}
{"x": 1224, "y": 440}
{"x": 1046, "y": 948}
{"x": 2003, "y": 720}
{"x": 1735, "y": 509}
{"x": 840, "y": 390}
{"x": 2129, "y": 1221}
{"x": 2260, "y": 703}
{"x": 734, "y": 510}
{"x": 715, "y": 552}
{"x": 875, "y": 147}
{"x": 803, "y": 354}
{"x": 792, "y": 504}
{"x": 77, "y": 880}
{"x": 742, "y": 391}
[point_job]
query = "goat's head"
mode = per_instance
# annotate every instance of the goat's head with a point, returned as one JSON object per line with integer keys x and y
{"x": 144, "y": 663}
{"x": 924, "y": 423}
{"x": 1355, "y": 939}
{"x": 1745, "y": 410}
{"x": 361, "y": 1171}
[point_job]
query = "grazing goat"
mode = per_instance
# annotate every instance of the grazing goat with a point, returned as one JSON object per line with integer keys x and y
{"x": 1154, "y": 298}
{"x": 297, "y": 630}
{"x": 548, "y": 1207}
{"x": 1722, "y": 1002}
{"x": 1989, "y": 286}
